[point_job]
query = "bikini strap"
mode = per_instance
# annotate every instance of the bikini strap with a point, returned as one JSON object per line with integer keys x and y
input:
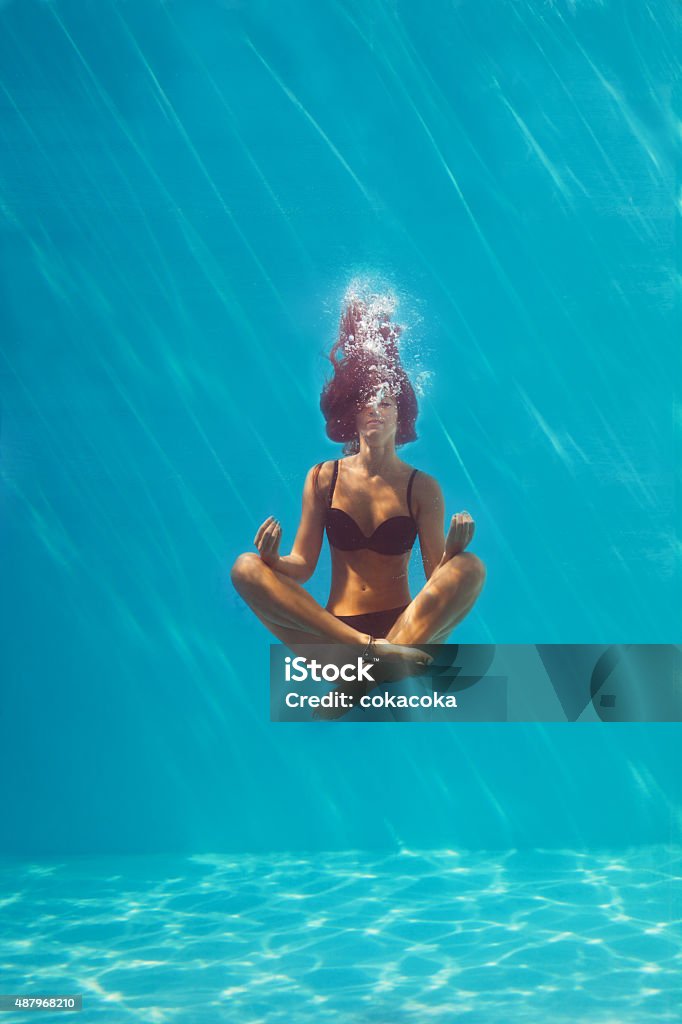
{"x": 409, "y": 491}
{"x": 316, "y": 479}
{"x": 336, "y": 473}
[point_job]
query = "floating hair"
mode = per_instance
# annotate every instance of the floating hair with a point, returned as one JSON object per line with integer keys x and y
{"x": 366, "y": 365}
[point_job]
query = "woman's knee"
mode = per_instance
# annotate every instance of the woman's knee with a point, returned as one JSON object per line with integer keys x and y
{"x": 246, "y": 569}
{"x": 472, "y": 567}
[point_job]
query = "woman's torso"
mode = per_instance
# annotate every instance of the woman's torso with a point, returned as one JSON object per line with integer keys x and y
{"x": 371, "y": 530}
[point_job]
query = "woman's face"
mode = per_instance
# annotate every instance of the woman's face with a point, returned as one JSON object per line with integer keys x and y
{"x": 377, "y": 419}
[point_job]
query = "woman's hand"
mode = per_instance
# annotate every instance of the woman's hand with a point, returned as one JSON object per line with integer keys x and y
{"x": 459, "y": 535}
{"x": 267, "y": 541}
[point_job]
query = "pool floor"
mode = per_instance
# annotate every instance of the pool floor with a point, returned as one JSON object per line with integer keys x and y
{"x": 367, "y": 938}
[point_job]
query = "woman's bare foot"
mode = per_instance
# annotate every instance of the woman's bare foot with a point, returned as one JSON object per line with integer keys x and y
{"x": 390, "y": 663}
{"x": 397, "y": 661}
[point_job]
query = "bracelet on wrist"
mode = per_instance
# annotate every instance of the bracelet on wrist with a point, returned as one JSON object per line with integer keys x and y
{"x": 369, "y": 653}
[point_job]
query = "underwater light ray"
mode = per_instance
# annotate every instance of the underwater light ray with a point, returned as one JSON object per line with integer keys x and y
{"x": 174, "y": 291}
{"x": 325, "y": 138}
{"x": 647, "y": 496}
{"x": 78, "y": 484}
{"x": 560, "y": 305}
{"x": 90, "y": 496}
{"x": 168, "y": 108}
{"x": 446, "y": 290}
{"x": 122, "y": 339}
{"x": 599, "y": 528}
{"x": 56, "y": 539}
{"x": 570, "y": 98}
{"x": 501, "y": 273}
{"x": 234, "y": 127}
{"x": 536, "y": 147}
{"x": 182, "y": 397}
{"x": 532, "y": 598}
{"x": 635, "y": 127}
{"x": 194, "y": 241}
{"x": 57, "y": 289}
{"x": 197, "y": 514}
{"x": 171, "y": 290}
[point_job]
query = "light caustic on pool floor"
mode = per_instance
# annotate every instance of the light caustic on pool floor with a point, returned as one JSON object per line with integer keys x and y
{"x": 337, "y": 937}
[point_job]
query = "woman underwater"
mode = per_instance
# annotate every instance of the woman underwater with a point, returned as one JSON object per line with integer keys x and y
{"x": 372, "y": 506}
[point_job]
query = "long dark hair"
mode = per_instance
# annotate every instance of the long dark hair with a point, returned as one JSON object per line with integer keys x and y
{"x": 366, "y": 361}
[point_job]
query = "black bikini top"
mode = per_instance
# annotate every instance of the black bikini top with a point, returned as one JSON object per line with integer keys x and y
{"x": 394, "y": 536}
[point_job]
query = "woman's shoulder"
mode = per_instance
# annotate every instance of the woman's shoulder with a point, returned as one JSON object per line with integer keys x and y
{"x": 321, "y": 475}
{"x": 426, "y": 489}
{"x": 421, "y": 478}
{"x": 323, "y": 470}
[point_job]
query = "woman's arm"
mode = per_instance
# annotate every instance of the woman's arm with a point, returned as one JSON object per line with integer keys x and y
{"x": 430, "y": 516}
{"x": 300, "y": 564}
{"x": 436, "y": 548}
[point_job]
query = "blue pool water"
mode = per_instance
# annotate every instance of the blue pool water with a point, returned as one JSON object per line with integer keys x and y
{"x": 186, "y": 191}
{"x": 407, "y": 936}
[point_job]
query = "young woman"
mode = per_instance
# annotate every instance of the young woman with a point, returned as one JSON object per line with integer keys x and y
{"x": 372, "y": 506}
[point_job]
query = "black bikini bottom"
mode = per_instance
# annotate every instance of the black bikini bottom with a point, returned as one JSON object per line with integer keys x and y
{"x": 377, "y": 624}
